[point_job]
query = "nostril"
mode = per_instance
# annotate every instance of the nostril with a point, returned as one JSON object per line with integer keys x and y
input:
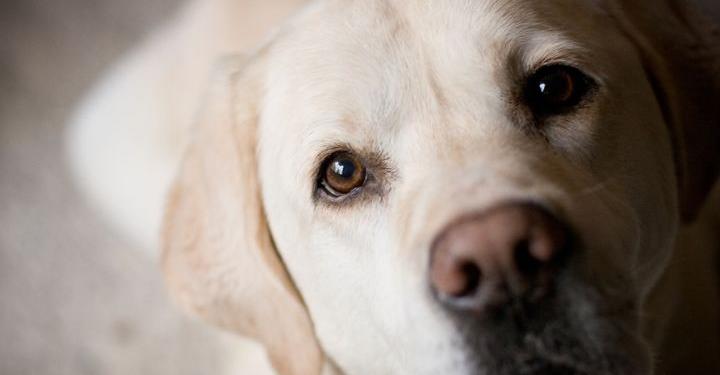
{"x": 526, "y": 263}
{"x": 471, "y": 274}
{"x": 453, "y": 273}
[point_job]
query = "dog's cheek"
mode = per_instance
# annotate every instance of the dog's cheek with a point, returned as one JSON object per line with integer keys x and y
{"x": 346, "y": 291}
{"x": 641, "y": 163}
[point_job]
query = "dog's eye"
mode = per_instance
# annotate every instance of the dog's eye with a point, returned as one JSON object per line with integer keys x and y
{"x": 342, "y": 173}
{"x": 555, "y": 89}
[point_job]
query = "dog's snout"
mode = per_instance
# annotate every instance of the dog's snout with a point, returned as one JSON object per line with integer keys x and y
{"x": 486, "y": 260}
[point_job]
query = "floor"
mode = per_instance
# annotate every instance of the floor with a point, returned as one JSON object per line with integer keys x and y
{"x": 76, "y": 297}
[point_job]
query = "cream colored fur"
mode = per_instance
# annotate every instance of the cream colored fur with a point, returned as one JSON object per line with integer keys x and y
{"x": 342, "y": 290}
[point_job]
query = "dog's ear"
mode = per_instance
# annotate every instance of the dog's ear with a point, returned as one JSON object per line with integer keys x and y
{"x": 219, "y": 258}
{"x": 681, "y": 53}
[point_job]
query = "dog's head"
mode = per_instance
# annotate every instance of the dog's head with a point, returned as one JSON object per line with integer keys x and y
{"x": 448, "y": 187}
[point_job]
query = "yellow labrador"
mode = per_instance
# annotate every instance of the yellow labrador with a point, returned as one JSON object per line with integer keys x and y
{"x": 431, "y": 187}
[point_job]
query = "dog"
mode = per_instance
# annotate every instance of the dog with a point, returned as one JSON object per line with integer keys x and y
{"x": 429, "y": 187}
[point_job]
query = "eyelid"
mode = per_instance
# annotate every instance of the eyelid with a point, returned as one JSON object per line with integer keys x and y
{"x": 338, "y": 197}
{"x": 575, "y": 63}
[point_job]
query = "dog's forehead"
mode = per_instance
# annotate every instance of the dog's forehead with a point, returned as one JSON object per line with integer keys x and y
{"x": 385, "y": 48}
{"x": 354, "y": 72}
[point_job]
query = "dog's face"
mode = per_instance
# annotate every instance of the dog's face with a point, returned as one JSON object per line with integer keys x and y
{"x": 472, "y": 187}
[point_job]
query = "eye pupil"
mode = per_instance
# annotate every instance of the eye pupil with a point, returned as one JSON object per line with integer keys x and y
{"x": 556, "y": 87}
{"x": 343, "y": 168}
{"x": 543, "y": 87}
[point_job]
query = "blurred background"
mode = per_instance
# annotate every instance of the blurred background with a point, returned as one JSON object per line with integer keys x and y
{"x": 75, "y": 298}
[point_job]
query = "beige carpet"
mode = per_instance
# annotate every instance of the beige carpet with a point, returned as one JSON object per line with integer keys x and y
{"x": 74, "y": 296}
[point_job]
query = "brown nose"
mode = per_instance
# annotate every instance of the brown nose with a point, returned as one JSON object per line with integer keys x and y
{"x": 485, "y": 260}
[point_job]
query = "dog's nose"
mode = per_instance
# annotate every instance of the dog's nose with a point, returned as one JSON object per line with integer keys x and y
{"x": 486, "y": 260}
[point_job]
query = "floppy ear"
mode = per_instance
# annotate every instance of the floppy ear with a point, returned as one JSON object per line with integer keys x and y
{"x": 681, "y": 54}
{"x": 219, "y": 258}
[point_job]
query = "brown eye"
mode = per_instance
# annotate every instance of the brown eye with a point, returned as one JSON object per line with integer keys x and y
{"x": 342, "y": 173}
{"x": 555, "y": 89}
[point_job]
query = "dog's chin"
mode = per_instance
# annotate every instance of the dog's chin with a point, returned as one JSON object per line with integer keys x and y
{"x": 571, "y": 353}
{"x": 529, "y": 362}
{"x": 570, "y": 334}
